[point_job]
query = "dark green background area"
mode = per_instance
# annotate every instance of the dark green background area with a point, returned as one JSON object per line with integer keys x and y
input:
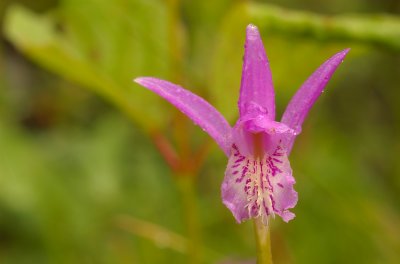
{"x": 82, "y": 182}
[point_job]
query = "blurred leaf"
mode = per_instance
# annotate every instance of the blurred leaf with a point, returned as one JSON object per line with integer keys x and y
{"x": 202, "y": 19}
{"x": 339, "y": 206}
{"x": 380, "y": 30}
{"x": 67, "y": 187}
{"x": 86, "y": 48}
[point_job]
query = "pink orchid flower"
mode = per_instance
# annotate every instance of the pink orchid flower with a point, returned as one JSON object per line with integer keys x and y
{"x": 258, "y": 179}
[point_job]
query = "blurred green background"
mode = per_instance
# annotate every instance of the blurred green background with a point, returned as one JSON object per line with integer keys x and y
{"x": 83, "y": 174}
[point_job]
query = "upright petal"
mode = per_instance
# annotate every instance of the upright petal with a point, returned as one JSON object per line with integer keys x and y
{"x": 305, "y": 97}
{"x": 195, "y": 107}
{"x": 256, "y": 85}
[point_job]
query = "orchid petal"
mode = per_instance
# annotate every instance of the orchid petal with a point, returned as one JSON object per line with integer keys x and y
{"x": 195, "y": 107}
{"x": 259, "y": 187}
{"x": 305, "y": 97}
{"x": 262, "y": 124}
{"x": 256, "y": 84}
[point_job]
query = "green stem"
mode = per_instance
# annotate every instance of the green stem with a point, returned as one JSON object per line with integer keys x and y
{"x": 263, "y": 242}
{"x": 186, "y": 185}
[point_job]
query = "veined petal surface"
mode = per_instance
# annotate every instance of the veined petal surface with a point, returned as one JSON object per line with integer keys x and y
{"x": 259, "y": 186}
{"x": 196, "y": 108}
{"x": 256, "y": 85}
